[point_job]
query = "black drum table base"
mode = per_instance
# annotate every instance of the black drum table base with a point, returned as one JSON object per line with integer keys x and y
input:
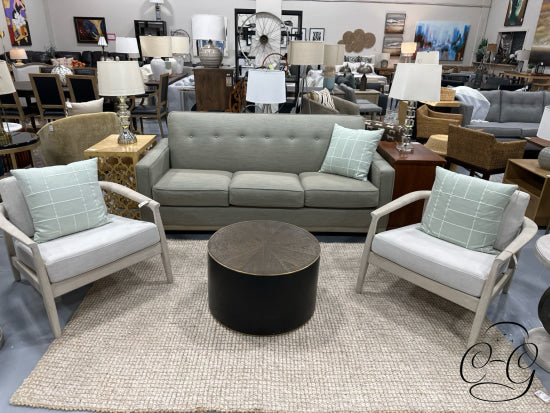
{"x": 265, "y": 299}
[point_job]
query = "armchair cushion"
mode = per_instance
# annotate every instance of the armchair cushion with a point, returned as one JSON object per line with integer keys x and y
{"x": 466, "y": 211}
{"x": 266, "y": 189}
{"x": 439, "y": 260}
{"x": 323, "y": 97}
{"x": 63, "y": 199}
{"x": 350, "y": 152}
{"x": 80, "y": 108}
{"x": 75, "y": 254}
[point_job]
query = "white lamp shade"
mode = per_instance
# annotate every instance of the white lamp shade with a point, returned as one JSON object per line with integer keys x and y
{"x": 266, "y": 86}
{"x": 416, "y": 82}
{"x": 119, "y": 78}
{"x": 428, "y": 57}
{"x": 334, "y": 54}
{"x": 6, "y": 84}
{"x": 408, "y": 48}
{"x": 157, "y": 1}
{"x": 301, "y": 52}
{"x": 544, "y": 126}
{"x": 18, "y": 54}
{"x": 102, "y": 41}
{"x": 180, "y": 45}
{"x": 126, "y": 45}
{"x": 208, "y": 27}
{"x": 156, "y": 46}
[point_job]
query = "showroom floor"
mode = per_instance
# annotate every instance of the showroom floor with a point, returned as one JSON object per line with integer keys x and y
{"x": 28, "y": 335}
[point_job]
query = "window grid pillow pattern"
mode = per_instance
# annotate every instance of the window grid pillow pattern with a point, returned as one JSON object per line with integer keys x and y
{"x": 466, "y": 211}
{"x": 322, "y": 97}
{"x": 350, "y": 152}
{"x": 63, "y": 199}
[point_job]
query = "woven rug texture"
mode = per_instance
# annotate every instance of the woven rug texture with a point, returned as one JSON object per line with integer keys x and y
{"x": 138, "y": 344}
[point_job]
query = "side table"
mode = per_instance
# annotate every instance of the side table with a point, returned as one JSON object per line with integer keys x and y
{"x": 116, "y": 163}
{"x": 18, "y": 149}
{"x": 414, "y": 171}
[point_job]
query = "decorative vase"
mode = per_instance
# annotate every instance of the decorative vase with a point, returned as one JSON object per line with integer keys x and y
{"x": 210, "y": 55}
{"x": 544, "y": 158}
{"x": 62, "y": 71}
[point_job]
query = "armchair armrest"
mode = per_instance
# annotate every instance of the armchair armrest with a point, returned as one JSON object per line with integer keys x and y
{"x": 311, "y": 107}
{"x": 152, "y": 167}
{"x": 127, "y": 192}
{"x": 502, "y": 151}
{"x": 399, "y": 203}
{"x": 10, "y": 229}
{"x": 345, "y": 107}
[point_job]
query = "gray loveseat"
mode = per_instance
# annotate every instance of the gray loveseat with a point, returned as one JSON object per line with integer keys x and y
{"x": 215, "y": 169}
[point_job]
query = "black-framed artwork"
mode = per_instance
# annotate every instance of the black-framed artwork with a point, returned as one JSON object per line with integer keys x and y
{"x": 316, "y": 34}
{"x": 89, "y": 29}
{"x": 296, "y": 34}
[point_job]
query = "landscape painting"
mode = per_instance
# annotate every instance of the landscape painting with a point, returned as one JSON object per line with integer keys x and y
{"x": 395, "y": 23}
{"x": 540, "y": 50}
{"x": 392, "y": 44}
{"x": 449, "y": 38}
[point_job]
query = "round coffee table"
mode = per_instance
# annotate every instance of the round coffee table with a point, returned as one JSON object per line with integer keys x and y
{"x": 262, "y": 276}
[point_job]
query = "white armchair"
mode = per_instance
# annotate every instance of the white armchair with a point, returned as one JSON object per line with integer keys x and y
{"x": 468, "y": 278}
{"x": 64, "y": 264}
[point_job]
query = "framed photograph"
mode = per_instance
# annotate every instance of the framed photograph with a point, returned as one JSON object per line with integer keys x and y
{"x": 395, "y": 23}
{"x": 89, "y": 29}
{"x": 316, "y": 35}
{"x": 392, "y": 44}
{"x": 296, "y": 35}
{"x": 515, "y": 12}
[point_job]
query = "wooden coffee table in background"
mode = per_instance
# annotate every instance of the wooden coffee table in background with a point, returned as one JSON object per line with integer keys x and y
{"x": 414, "y": 171}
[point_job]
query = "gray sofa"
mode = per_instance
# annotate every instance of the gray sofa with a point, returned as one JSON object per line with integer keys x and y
{"x": 512, "y": 114}
{"x": 215, "y": 169}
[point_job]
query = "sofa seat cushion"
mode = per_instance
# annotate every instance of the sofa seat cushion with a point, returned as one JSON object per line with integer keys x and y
{"x": 460, "y": 268}
{"x": 333, "y": 191}
{"x": 498, "y": 129}
{"x": 266, "y": 189}
{"x": 74, "y": 254}
{"x": 193, "y": 187}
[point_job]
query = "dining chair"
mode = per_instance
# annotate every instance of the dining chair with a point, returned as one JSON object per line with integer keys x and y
{"x": 158, "y": 111}
{"x": 89, "y": 71}
{"x": 12, "y": 109}
{"x": 82, "y": 88}
{"x": 49, "y": 96}
{"x": 46, "y": 69}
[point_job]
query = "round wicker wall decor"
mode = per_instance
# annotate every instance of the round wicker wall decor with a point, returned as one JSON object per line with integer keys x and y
{"x": 357, "y": 40}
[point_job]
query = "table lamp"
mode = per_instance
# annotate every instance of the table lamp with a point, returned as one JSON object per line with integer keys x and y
{"x": 19, "y": 55}
{"x": 427, "y": 57}
{"x": 121, "y": 79}
{"x": 157, "y": 4}
{"x": 180, "y": 47}
{"x": 127, "y": 45}
{"x": 156, "y": 47}
{"x": 413, "y": 82}
{"x": 6, "y": 87}
{"x": 333, "y": 55}
{"x": 407, "y": 50}
{"x": 303, "y": 53}
{"x": 212, "y": 28}
{"x": 102, "y": 42}
{"x": 266, "y": 87}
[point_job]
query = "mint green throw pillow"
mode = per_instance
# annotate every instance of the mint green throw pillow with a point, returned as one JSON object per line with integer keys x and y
{"x": 63, "y": 199}
{"x": 466, "y": 211}
{"x": 351, "y": 151}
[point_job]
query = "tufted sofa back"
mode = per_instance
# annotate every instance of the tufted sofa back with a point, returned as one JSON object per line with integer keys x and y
{"x": 252, "y": 142}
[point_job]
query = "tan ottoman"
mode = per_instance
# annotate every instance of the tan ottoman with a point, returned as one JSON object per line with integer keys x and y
{"x": 438, "y": 144}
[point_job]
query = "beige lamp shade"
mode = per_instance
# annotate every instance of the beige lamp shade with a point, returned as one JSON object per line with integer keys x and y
{"x": 180, "y": 44}
{"x": 408, "y": 48}
{"x": 16, "y": 54}
{"x": 155, "y": 46}
{"x": 301, "y": 52}
{"x": 428, "y": 57}
{"x": 6, "y": 83}
{"x": 416, "y": 82}
{"x": 208, "y": 27}
{"x": 544, "y": 126}
{"x": 334, "y": 54}
{"x": 126, "y": 45}
{"x": 266, "y": 86}
{"x": 119, "y": 78}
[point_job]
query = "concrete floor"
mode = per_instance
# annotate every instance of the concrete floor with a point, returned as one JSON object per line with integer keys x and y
{"x": 28, "y": 335}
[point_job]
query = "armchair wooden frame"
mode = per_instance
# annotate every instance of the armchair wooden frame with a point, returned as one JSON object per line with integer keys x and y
{"x": 161, "y": 95}
{"x": 39, "y": 277}
{"x": 492, "y": 286}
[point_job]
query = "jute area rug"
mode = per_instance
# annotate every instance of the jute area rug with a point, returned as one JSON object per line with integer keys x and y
{"x": 137, "y": 344}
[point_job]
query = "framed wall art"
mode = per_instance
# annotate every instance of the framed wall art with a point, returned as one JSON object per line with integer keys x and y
{"x": 296, "y": 34}
{"x": 449, "y": 38}
{"x": 395, "y": 23}
{"x": 316, "y": 35}
{"x": 89, "y": 29}
{"x": 540, "y": 49}
{"x": 515, "y": 12}
{"x": 16, "y": 19}
{"x": 392, "y": 44}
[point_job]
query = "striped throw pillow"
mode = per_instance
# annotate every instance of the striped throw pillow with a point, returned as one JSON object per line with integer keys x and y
{"x": 323, "y": 97}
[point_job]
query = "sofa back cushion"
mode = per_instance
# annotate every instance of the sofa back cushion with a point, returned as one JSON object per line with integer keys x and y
{"x": 244, "y": 142}
{"x": 493, "y": 96}
{"x": 521, "y": 106}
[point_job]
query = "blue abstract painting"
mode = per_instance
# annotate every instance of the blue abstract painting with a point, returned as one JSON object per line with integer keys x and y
{"x": 449, "y": 38}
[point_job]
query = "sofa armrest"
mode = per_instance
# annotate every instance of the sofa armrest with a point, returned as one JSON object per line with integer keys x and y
{"x": 466, "y": 111}
{"x": 382, "y": 175}
{"x": 152, "y": 167}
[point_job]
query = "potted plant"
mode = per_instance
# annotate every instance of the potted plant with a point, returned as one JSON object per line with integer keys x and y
{"x": 481, "y": 49}
{"x": 530, "y": 67}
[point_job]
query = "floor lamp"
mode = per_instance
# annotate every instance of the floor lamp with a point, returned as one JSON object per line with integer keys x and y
{"x": 266, "y": 87}
{"x": 121, "y": 79}
{"x": 333, "y": 55}
{"x": 303, "y": 53}
{"x": 415, "y": 82}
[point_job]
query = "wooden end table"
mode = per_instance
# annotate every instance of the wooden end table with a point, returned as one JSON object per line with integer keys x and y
{"x": 414, "y": 171}
{"x": 116, "y": 163}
